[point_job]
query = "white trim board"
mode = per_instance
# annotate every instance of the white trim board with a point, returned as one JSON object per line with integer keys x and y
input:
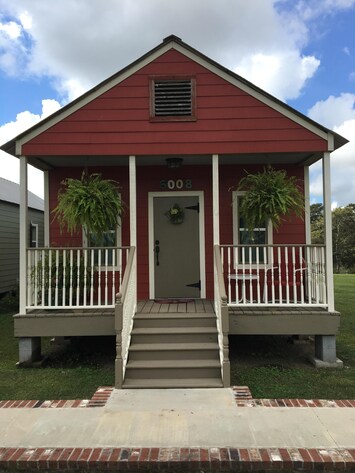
{"x": 151, "y": 196}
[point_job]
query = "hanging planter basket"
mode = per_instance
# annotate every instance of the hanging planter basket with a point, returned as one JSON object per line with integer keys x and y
{"x": 175, "y": 214}
{"x": 270, "y": 195}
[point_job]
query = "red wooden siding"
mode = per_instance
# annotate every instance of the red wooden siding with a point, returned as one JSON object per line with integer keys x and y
{"x": 228, "y": 121}
{"x": 148, "y": 180}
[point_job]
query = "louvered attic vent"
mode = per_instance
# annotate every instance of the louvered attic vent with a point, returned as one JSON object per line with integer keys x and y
{"x": 173, "y": 99}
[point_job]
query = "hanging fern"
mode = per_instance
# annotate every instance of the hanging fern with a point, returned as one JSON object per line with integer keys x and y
{"x": 90, "y": 202}
{"x": 270, "y": 195}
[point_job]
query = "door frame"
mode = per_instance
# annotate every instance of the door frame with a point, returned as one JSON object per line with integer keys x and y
{"x": 151, "y": 196}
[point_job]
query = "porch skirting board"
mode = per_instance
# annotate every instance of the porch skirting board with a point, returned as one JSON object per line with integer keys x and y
{"x": 282, "y": 321}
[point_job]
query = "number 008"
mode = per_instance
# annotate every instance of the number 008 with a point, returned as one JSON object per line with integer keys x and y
{"x": 172, "y": 184}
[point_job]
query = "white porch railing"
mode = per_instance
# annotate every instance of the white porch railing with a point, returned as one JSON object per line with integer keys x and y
{"x": 277, "y": 275}
{"x": 221, "y": 309}
{"x": 126, "y": 303}
{"x": 60, "y": 278}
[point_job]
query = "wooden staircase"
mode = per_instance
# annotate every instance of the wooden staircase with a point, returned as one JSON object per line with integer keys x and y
{"x": 174, "y": 350}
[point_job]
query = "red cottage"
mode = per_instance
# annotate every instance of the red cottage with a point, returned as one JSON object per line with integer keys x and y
{"x": 178, "y": 131}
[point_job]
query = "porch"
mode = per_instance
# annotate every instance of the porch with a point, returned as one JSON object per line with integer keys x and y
{"x": 269, "y": 289}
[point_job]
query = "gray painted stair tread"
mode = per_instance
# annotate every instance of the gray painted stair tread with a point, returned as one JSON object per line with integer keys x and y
{"x": 152, "y": 364}
{"x": 175, "y": 315}
{"x": 173, "y": 383}
{"x": 174, "y": 330}
{"x": 173, "y": 346}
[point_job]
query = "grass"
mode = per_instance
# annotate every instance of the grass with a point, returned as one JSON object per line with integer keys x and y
{"x": 72, "y": 373}
{"x": 272, "y": 367}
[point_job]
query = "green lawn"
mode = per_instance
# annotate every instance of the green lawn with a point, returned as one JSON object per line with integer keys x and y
{"x": 272, "y": 367}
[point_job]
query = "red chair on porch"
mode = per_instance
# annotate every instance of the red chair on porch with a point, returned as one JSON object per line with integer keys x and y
{"x": 286, "y": 284}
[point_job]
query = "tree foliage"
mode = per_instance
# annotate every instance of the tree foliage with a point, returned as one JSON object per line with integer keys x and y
{"x": 270, "y": 195}
{"x": 90, "y": 202}
{"x": 343, "y": 231}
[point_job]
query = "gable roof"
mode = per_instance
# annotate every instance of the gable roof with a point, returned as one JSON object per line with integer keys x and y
{"x": 10, "y": 192}
{"x": 335, "y": 140}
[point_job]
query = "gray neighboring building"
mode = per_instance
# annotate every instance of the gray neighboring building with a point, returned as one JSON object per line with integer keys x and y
{"x": 10, "y": 227}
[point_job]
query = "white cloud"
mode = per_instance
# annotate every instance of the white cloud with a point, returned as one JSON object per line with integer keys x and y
{"x": 11, "y": 29}
{"x": 283, "y": 74}
{"x": 25, "y": 120}
{"x": 338, "y": 113}
{"x": 10, "y": 164}
{"x": 80, "y": 49}
{"x": 333, "y": 111}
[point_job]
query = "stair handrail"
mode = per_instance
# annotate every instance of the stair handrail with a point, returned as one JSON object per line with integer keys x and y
{"x": 221, "y": 309}
{"x": 125, "y": 307}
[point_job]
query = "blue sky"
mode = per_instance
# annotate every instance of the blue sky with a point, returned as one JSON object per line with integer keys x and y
{"x": 301, "y": 51}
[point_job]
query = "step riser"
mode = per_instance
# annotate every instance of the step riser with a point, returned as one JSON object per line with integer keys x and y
{"x": 172, "y": 323}
{"x": 175, "y": 373}
{"x": 174, "y": 338}
{"x": 174, "y": 355}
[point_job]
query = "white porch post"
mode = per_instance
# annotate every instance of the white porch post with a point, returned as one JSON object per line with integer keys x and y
{"x": 133, "y": 213}
{"x": 307, "y": 206}
{"x": 23, "y": 233}
{"x": 46, "y": 209}
{"x": 132, "y": 201}
{"x": 328, "y": 229}
{"x": 215, "y": 197}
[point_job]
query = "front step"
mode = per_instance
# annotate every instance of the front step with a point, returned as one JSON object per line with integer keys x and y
{"x": 174, "y": 351}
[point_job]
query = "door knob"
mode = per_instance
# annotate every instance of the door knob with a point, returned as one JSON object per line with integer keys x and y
{"x": 157, "y": 250}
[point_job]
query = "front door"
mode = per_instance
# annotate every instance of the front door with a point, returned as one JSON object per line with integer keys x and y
{"x": 176, "y": 247}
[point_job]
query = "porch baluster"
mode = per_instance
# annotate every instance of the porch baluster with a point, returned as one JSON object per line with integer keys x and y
{"x": 64, "y": 276}
{"x": 279, "y": 273}
{"x": 229, "y": 273}
{"x": 106, "y": 273}
{"x": 78, "y": 277}
{"x": 250, "y": 275}
{"x": 287, "y": 275}
{"x": 99, "y": 275}
{"x": 113, "y": 273}
{"x": 92, "y": 258}
{"x": 71, "y": 279}
{"x": 257, "y": 275}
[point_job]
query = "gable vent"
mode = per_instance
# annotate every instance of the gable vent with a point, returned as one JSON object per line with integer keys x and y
{"x": 173, "y": 98}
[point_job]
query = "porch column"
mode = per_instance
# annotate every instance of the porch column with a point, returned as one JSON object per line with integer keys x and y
{"x": 23, "y": 233}
{"x": 133, "y": 215}
{"x": 46, "y": 209}
{"x": 132, "y": 201}
{"x": 215, "y": 198}
{"x": 307, "y": 206}
{"x": 327, "y": 203}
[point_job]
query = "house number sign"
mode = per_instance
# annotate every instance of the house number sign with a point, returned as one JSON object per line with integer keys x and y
{"x": 178, "y": 184}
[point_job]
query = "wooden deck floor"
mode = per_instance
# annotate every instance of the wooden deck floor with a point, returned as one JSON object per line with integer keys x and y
{"x": 193, "y": 306}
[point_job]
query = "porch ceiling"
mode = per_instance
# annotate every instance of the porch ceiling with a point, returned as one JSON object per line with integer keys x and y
{"x": 262, "y": 158}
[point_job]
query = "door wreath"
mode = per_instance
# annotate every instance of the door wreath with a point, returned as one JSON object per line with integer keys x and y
{"x": 175, "y": 214}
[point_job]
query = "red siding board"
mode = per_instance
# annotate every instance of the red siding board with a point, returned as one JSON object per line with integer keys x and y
{"x": 148, "y": 180}
{"x": 127, "y": 106}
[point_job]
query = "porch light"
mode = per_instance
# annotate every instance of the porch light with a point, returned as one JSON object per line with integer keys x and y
{"x": 174, "y": 163}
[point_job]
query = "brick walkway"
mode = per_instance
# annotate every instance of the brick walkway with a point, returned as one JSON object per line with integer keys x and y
{"x": 176, "y": 458}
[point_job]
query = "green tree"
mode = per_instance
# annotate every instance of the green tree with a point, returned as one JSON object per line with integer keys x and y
{"x": 344, "y": 238}
{"x": 317, "y": 224}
